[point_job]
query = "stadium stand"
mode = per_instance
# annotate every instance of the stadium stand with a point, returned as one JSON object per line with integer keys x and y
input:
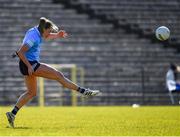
{"x": 141, "y": 17}
{"x": 104, "y": 39}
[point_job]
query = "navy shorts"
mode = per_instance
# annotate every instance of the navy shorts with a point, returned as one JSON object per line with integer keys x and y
{"x": 24, "y": 69}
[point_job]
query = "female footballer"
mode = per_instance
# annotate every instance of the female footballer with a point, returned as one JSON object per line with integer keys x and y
{"x": 31, "y": 68}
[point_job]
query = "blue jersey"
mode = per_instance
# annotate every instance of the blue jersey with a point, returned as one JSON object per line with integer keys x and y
{"x": 33, "y": 40}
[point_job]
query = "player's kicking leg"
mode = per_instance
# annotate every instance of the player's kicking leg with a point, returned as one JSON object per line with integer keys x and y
{"x": 47, "y": 71}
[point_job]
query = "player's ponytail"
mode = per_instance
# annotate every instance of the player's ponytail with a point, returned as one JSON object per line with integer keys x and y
{"x": 45, "y": 23}
{"x": 42, "y": 22}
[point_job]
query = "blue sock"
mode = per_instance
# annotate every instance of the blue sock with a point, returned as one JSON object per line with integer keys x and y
{"x": 81, "y": 90}
{"x": 15, "y": 110}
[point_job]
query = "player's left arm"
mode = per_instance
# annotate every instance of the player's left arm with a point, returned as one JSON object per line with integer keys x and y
{"x": 60, "y": 34}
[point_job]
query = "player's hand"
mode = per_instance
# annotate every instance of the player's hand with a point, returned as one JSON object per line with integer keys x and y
{"x": 30, "y": 70}
{"x": 178, "y": 68}
{"x": 62, "y": 34}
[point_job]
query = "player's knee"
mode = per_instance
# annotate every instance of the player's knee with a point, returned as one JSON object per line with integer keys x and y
{"x": 32, "y": 94}
{"x": 59, "y": 76}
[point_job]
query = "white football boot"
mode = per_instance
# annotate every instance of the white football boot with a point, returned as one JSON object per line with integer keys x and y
{"x": 90, "y": 93}
{"x": 11, "y": 118}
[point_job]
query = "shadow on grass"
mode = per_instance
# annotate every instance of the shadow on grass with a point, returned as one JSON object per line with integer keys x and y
{"x": 19, "y": 127}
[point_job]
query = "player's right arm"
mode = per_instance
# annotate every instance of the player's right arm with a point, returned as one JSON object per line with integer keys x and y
{"x": 21, "y": 53}
{"x": 59, "y": 34}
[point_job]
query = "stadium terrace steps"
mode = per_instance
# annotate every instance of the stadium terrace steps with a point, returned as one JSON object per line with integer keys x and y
{"x": 115, "y": 62}
{"x": 145, "y": 14}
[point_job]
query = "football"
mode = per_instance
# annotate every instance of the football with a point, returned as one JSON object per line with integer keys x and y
{"x": 162, "y": 33}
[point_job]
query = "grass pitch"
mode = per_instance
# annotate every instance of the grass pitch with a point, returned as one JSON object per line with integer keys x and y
{"x": 93, "y": 121}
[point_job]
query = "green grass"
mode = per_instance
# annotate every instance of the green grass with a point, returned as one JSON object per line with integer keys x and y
{"x": 93, "y": 121}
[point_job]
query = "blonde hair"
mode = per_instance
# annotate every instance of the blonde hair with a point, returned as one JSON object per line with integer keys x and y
{"x": 45, "y": 23}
